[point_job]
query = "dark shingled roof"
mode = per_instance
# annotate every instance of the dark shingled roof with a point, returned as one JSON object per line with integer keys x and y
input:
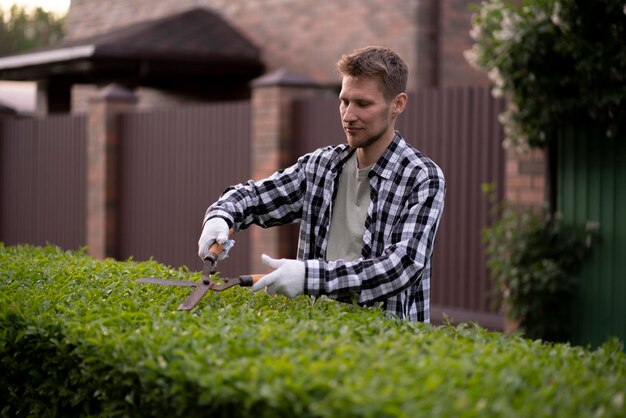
{"x": 195, "y": 43}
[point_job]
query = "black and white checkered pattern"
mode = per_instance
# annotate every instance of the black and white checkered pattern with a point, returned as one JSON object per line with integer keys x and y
{"x": 407, "y": 193}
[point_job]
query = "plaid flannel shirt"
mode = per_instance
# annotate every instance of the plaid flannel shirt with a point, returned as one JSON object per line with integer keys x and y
{"x": 407, "y": 200}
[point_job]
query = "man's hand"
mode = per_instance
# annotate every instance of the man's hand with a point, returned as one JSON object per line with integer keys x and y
{"x": 287, "y": 279}
{"x": 215, "y": 229}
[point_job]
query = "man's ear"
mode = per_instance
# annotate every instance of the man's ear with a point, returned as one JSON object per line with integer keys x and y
{"x": 399, "y": 103}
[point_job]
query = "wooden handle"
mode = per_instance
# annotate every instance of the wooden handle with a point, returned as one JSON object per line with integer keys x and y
{"x": 256, "y": 277}
{"x": 250, "y": 279}
{"x": 216, "y": 249}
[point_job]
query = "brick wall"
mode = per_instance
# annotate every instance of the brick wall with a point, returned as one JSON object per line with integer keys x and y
{"x": 305, "y": 36}
{"x": 455, "y": 18}
{"x": 308, "y": 36}
{"x": 525, "y": 178}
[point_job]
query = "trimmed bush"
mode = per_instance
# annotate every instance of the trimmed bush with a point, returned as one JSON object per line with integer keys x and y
{"x": 80, "y": 337}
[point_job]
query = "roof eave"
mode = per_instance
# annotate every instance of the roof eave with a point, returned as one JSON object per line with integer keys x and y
{"x": 47, "y": 57}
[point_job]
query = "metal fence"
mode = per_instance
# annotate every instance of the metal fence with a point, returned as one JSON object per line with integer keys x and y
{"x": 42, "y": 181}
{"x": 173, "y": 164}
{"x": 591, "y": 183}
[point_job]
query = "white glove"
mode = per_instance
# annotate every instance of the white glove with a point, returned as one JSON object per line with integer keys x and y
{"x": 287, "y": 279}
{"x": 215, "y": 229}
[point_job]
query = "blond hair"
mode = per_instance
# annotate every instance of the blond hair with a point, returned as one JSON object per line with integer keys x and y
{"x": 378, "y": 62}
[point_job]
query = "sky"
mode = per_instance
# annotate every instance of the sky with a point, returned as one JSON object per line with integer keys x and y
{"x": 21, "y": 95}
{"x": 56, "y": 6}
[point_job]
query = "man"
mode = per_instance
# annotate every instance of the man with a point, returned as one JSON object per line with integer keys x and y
{"x": 368, "y": 210}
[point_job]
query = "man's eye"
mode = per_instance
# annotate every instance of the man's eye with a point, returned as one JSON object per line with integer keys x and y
{"x": 346, "y": 103}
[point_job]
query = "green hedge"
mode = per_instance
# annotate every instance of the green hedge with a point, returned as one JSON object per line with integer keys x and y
{"x": 80, "y": 337}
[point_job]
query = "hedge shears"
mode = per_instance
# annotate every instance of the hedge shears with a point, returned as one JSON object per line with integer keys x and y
{"x": 206, "y": 283}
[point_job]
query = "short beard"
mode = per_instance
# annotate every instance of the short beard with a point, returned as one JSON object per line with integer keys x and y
{"x": 369, "y": 140}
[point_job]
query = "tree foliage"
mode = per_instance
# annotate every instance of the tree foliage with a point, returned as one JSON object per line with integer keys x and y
{"x": 555, "y": 61}
{"x": 22, "y": 30}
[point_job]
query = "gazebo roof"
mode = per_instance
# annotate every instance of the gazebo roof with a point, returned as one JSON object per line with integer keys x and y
{"x": 191, "y": 45}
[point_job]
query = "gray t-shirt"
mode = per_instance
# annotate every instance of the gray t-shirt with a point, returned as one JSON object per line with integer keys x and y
{"x": 345, "y": 238}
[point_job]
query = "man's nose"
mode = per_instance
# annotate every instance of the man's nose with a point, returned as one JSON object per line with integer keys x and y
{"x": 348, "y": 115}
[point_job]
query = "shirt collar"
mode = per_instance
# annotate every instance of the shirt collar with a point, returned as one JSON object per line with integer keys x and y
{"x": 386, "y": 164}
{"x": 344, "y": 154}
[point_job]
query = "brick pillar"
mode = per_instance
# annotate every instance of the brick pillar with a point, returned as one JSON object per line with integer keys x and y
{"x": 525, "y": 186}
{"x": 102, "y": 171}
{"x": 525, "y": 178}
{"x": 272, "y": 149}
{"x": 428, "y": 44}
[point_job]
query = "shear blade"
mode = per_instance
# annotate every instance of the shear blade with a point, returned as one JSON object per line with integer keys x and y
{"x": 195, "y": 297}
{"x": 168, "y": 282}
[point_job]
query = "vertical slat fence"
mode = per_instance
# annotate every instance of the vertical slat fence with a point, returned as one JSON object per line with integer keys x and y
{"x": 173, "y": 164}
{"x": 42, "y": 181}
{"x": 591, "y": 177}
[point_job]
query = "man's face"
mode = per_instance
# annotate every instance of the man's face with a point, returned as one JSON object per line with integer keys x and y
{"x": 365, "y": 114}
